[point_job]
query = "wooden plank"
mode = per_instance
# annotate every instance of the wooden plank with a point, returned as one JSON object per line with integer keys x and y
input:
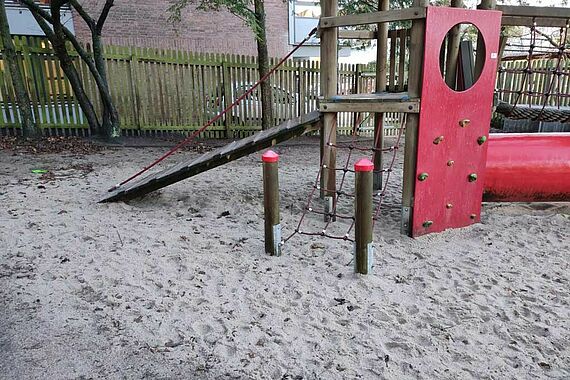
{"x": 537, "y": 12}
{"x": 373, "y": 17}
{"x": 381, "y": 53}
{"x": 407, "y": 106}
{"x": 192, "y": 167}
{"x": 412, "y": 123}
{"x": 329, "y": 83}
{"x": 357, "y": 34}
{"x": 392, "y": 76}
{"x": 529, "y": 21}
{"x": 226, "y": 90}
{"x": 402, "y": 34}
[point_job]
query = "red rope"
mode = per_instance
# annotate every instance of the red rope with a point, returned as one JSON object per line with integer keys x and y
{"x": 218, "y": 116}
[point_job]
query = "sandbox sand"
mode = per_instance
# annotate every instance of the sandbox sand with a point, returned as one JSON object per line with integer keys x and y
{"x": 176, "y": 285}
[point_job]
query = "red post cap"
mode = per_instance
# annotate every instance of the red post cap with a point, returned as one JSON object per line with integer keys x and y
{"x": 363, "y": 165}
{"x": 270, "y": 156}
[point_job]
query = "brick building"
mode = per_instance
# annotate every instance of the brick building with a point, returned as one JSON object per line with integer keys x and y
{"x": 145, "y": 23}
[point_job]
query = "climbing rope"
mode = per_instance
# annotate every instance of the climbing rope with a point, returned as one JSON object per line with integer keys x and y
{"x": 340, "y": 193}
{"x": 543, "y": 84}
{"x": 190, "y": 138}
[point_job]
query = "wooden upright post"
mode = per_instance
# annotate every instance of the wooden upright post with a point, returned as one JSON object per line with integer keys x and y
{"x": 363, "y": 224}
{"x": 329, "y": 75}
{"x": 381, "y": 59}
{"x": 271, "y": 203}
{"x": 453, "y": 39}
{"x": 480, "y": 55}
{"x": 413, "y": 120}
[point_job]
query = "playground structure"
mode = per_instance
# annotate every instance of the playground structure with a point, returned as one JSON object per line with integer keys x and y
{"x": 448, "y": 106}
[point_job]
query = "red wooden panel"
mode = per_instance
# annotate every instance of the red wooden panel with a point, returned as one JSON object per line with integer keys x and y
{"x": 446, "y": 198}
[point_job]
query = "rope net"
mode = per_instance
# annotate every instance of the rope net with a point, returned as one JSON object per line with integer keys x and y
{"x": 342, "y": 211}
{"x": 537, "y": 87}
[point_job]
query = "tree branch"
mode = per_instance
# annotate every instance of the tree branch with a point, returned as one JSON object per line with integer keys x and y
{"x": 42, "y": 16}
{"x": 88, "y": 20}
{"x": 103, "y": 15}
{"x": 548, "y": 38}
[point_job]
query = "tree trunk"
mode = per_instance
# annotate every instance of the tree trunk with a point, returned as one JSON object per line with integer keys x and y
{"x": 57, "y": 40}
{"x": 29, "y": 127}
{"x": 267, "y": 120}
{"x": 111, "y": 122}
{"x": 72, "y": 75}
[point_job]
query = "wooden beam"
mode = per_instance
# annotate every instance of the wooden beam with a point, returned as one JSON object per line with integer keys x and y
{"x": 528, "y": 21}
{"x": 480, "y": 53}
{"x": 329, "y": 84}
{"x": 453, "y": 40}
{"x": 537, "y": 12}
{"x": 381, "y": 60}
{"x": 415, "y": 73}
{"x": 237, "y": 149}
{"x": 373, "y": 17}
{"x": 411, "y": 106}
{"x": 357, "y": 34}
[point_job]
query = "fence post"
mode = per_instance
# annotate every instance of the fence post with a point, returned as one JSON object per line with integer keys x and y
{"x": 301, "y": 83}
{"x": 133, "y": 79}
{"x": 227, "y": 94}
{"x": 363, "y": 250}
{"x": 271, "y": 203}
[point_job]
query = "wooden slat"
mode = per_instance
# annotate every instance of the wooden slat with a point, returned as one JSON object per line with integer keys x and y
{"x": 392, "y": 73}
{"x": 373, "y": 17}
{"x": 527, "y": 11}
{"x": 357, "y": 34}
{"x": 384, "y": 102}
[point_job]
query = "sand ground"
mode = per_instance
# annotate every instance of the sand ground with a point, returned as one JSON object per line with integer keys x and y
{"x": 176, "y": 285}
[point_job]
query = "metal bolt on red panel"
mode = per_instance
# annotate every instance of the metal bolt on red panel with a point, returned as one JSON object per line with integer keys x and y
{"x": 423, "y": 176}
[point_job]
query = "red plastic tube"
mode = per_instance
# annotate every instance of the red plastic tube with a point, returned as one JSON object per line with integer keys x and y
{"x": 528, "y": 168}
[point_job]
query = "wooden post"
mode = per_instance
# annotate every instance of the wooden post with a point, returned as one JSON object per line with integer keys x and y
{"x": 381, "y": 59}
{"x": 413, "y": 120}
{"x": 480, "y": 55}
{"x": 453, "y": 39}
{"x": 329, "y": 82}
{"x": 133, "y": 78}
{"x": 271, "y": 203}
{"x": 226, "y": 90}
{"x": 356, "y": 90}
{"x": 363, "y": 251}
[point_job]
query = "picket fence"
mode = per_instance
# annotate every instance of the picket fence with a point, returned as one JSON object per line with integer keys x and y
{"x": 159, "y": 90}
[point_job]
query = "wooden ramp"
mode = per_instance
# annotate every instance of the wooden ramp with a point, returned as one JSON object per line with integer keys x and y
{"x": 237, "y": 149}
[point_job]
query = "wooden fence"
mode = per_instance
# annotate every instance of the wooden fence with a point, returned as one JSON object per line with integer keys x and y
{"x": 167, "y": 90}
{"x": 160, "y": 91}
{"x": 543, "y": 80}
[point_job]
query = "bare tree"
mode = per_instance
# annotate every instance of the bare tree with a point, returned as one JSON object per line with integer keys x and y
{"x": 59, "y": 36}
{"x": 29, "y": 127}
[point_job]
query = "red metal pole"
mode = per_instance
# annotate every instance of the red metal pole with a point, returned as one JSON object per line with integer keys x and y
{"x": 528, "y": 168}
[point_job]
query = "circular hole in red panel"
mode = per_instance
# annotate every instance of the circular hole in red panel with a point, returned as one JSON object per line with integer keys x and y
{"x": 458, "y": 56}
